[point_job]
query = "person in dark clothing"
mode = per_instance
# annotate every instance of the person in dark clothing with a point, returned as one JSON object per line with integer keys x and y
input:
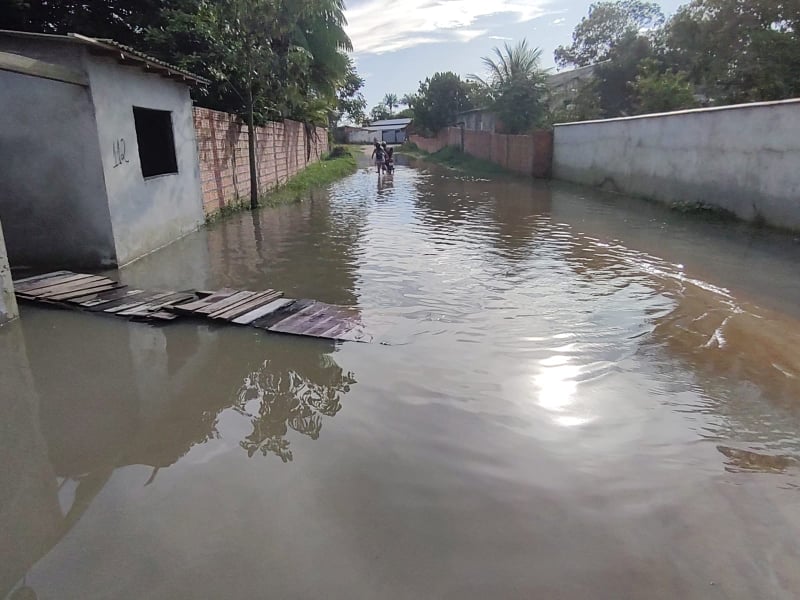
{"x": 379, "y": 155}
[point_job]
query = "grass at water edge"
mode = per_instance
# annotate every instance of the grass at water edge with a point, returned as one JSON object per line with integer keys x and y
{"x": 330, "y": 168}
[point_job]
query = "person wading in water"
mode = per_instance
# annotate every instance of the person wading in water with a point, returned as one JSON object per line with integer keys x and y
{"x": 379, "y": 155}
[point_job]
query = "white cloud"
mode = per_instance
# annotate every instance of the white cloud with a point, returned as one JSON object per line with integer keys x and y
{"x": 560, "y": 21}
{"x": 500, "y": 37}
{"x": 379, "y": 26}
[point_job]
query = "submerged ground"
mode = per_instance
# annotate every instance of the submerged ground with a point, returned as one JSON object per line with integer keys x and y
{"x": 577, "y": 396}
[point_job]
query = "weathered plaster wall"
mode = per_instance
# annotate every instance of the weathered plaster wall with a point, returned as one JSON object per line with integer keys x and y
{"x": 8, "y": 302}
{"x": 145, "y": 213}
{"x": 282, "y": 151}
{"x": 743, "y": 159}
{"x": 52, "y": 195}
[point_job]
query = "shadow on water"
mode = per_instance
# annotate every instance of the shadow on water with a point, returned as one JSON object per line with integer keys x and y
{"x": 66, "y": 428}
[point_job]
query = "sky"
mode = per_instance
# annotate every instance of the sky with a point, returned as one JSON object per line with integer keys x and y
{"x": 398, "y": 43}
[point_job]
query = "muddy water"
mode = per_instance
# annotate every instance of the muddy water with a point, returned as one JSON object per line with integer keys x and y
{"x": 569, "y": 395}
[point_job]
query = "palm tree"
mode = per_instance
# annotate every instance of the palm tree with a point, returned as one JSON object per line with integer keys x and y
{"x": 390, "y": 100}
{"x": 512, "y": 64}
{"x": 408, "y": 100}
{"x": 516, "y": 85}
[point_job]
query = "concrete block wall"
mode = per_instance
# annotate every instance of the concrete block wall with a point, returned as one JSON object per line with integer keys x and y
{"x": 222, "y": 141}
{"x": 525, "y": 154}
{"x": 741, "y": 158}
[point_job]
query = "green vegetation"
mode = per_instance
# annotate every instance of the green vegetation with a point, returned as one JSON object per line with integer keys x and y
{"x": 339, "y": 163}
{"x": 266, "y": 59}
{"x": 452, "y": 157}
{"x": 516, "y": 86}
{"x": 713, "y": 52}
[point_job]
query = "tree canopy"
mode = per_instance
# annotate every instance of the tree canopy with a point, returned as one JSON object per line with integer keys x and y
{"x": 439, "y": 99}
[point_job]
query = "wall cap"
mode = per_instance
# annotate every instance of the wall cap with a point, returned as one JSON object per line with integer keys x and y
{"x": 689, "y": 111}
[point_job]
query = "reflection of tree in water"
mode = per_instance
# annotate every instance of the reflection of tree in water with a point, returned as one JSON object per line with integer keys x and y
{"x": 288, "y": 399}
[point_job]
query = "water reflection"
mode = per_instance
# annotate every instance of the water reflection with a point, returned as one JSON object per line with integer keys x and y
{"x": 277, "y": 397}
{"x": 136, "y": 395}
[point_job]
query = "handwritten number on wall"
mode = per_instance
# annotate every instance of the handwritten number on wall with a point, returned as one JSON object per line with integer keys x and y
{"x": 119, "y": 152}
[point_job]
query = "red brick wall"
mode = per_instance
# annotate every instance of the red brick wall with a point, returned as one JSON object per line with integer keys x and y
{"x": 222, "y": 148}
{"x": 527, "y": 154}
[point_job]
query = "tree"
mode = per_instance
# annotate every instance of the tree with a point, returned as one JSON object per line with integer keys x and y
{"x": 350, "y": 101}
{"x": 615, "y": 76}
{"x": 607, "y": 24}
{"x": 124, "y": 21}
{"x": 408, "y": 100}
{"x": 379, "y": 113}
{"x": 657, "y": 90}
{"x": 516, "y": 85}
{"x": 390, "y": 101}
{"x": 738, "y": 51}
{"x": 267, "y": 58}
{"x": 439, "y": 99}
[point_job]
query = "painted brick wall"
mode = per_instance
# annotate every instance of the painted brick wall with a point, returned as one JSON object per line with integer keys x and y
{"x": 222, "y": 149}
{"x": 527, "y": 154}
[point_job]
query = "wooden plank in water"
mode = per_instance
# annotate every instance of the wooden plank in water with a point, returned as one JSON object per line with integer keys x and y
{"x": 138, "y": 301}
{"x": 100, "y": 287}
{"x": 332, "y": 320}
{"x": 254, "y": 302}
{"x": 129, "y": 296}
{"x": 262, "y": 311}
{"x": 269, "y": 320}
{"x": 155, "y": 305}
{"x": 72, "y": 286}
{"x": 43, "y": 276}
{"x": 98, "y": 298}
{"x": 228, "y": 302}
{"x": 35, "y": 289}
{"x": 301, "y": 315}
{"x": 190, "y": 307}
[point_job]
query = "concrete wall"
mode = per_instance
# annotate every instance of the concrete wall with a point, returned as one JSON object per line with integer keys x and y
{"x": 8, "y": 302}
{"x": 146, "y": 213}
{"x": 52, "y": 194}
{"x": 524, "y": 154}
{"x": 743, "y": 159}
{"x": 282, "y": 151}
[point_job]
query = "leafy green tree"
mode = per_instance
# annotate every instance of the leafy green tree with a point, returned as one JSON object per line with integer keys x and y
{"x": 350, "y": 102}
{"x": 516, "y": 86}
{"x": 607, "y": 24}
{"x": 124, "y": 21}
{"x": 657, "y": 90}
{"x": 738, "y": 51}
{"x": 379, "y": 113}
{"x": 439, "y": 99}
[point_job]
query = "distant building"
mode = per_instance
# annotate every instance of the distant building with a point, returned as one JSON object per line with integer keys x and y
{"x": 98, "y": 158}
{"x": 564, "y": 87}
{"x": 479, "y": 119}
{"x": 391, "y": 131}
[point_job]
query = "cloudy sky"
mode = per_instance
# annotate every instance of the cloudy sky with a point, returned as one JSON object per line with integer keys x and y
{"x": 399, "y": 42}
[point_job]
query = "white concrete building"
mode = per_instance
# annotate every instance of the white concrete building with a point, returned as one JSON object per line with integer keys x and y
{"x": 98, "y": 157}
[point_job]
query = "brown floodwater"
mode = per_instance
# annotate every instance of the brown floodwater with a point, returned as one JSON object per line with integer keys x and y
{"x": 569, "y": 395}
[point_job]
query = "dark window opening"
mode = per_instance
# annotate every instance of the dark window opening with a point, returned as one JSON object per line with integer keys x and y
{"x": 155, "y": 140}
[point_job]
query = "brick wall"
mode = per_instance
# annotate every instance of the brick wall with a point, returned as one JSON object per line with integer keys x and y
{"x": 281, "y": 152}
{"x": 527, "y": 154}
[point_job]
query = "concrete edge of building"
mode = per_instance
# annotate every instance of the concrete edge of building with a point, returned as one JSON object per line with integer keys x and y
{"x": 8, "y": 302}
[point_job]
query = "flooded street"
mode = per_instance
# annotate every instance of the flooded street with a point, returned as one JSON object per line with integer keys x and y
{"x": 568, "y": 395}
